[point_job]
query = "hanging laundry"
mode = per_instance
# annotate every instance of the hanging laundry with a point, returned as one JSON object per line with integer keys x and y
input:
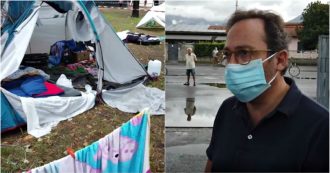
{"x": 126, "y": 149}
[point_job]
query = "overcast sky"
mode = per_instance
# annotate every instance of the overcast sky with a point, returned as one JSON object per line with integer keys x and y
{"x": 220, "y": 10}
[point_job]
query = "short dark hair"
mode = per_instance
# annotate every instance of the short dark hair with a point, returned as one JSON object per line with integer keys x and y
{"x": 276, "y": 37}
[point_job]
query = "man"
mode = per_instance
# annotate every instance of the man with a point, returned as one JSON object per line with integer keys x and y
{"x": 190, "y": 65}
{"x": 269, "y": 125}
{"x": 215, "y": 56}
{"x": 190, "y": 108}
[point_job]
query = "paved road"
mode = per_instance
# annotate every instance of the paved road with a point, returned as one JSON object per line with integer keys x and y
{"x": 185, "y": 149}
{"x": 214, "y": 74}
{"x": 186, "y": 144}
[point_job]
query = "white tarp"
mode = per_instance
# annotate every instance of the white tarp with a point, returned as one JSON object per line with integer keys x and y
{"x": 155, "y": 15}
{"x": 135, "y": 99}
{"x": 41, "y": 114}
{"x": 123, "y": 34}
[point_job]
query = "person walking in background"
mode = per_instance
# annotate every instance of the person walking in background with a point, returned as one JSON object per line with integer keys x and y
{"x": 190, "y": 59}
{"x": 215, "y": 56}
{"x": 269, "y": 125}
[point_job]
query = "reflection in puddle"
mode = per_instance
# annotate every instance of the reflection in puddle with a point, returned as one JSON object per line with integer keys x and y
{"x": 190, "y": 108}
{"x": 181, "y": 102}
{"x": 219, "y": 85}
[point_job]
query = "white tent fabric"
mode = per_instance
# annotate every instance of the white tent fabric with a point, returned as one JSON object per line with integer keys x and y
{"x": 136, "y": 98}
{"x": 119, "y": 64}
{"x": 14, "y": 53}
{"x": 49, "y": 29}
{"x": 156, "y": 14}
{"x": 42, "y": 114}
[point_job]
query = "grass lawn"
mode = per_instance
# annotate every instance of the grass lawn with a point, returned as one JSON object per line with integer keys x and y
{"x": 121, "y": 20}
{"x": 20, "y": 151}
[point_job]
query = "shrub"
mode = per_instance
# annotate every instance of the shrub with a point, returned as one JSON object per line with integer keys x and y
{"x": 203, "y": 49}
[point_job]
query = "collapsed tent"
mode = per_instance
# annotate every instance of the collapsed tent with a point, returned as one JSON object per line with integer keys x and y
{"x": 31, "y": 27}
{"x": 126, "y": 149}
{"x": 12, "y": 119}
{"x": 155, "y": 18}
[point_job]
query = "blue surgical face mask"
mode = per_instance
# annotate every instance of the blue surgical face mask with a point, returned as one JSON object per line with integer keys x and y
{"x": 248, "y": 81}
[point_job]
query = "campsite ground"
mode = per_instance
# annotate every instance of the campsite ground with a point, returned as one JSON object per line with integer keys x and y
{"x": 20, "y": 151}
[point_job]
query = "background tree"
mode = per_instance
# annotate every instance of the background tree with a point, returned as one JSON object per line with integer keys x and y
{"x": 135, "y": 12}
{"x": 315, "y": 23}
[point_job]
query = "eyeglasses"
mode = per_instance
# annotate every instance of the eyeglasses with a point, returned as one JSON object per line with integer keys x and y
{"x": 242, "y": 56}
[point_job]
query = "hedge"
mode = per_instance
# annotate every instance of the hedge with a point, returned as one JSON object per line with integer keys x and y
{"x": 205, "y": 48}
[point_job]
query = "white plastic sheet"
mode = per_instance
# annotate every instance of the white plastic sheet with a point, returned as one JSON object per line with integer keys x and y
{"x": 135, "y": 99}
{"x": 41, "y": 114}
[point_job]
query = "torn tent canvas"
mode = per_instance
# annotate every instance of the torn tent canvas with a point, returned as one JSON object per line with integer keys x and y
{"x": 126, "y": 149}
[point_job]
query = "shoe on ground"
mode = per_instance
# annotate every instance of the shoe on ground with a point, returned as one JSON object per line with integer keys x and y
{"x": 186, "y": 84}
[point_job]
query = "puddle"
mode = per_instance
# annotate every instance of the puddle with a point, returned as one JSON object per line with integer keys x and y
{"x": 218, "y": 85}
{"x": 193, "y": 106}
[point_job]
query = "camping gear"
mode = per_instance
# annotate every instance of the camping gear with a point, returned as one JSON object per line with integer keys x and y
{"x": 80, "y": 56}
{"x": 155, "y": 18}
{"x": 10, "y": 119}
{"x": 32, "y": 86}
{"x": 126, "y": 149}
{"x": 142, "y": 39}
{"x": 149, "y": 40}
{"x": 70, "y": 92}
{"x": 154, "y": 67}
{"x": 64, "y": 81}
{"x": 62, "y": 51}
{"x": 22, "y": 71}
{"x": 33, "y": 26}
{"x": 26, "y": 86}
{"x": 52, "y": 90}
{"x": 37, "y": 60}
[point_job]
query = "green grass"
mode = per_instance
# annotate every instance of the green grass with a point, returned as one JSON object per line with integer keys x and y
{"x": 121, "y": 20}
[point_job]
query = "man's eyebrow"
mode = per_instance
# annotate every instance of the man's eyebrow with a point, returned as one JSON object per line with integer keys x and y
{"x": 244, "y": 47}
{"x": 240, "y": 47}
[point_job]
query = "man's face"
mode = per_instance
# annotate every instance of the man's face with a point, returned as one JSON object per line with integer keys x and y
{"x": 189, "y": 51}
{"x": 249, "y": 35}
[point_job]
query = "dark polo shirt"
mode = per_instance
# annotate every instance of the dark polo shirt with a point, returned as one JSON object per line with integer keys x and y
{"x": 293, "y": 137}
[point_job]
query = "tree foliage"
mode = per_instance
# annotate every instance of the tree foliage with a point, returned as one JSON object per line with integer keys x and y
{"x": 205, "y": 48}
{"x": 315, "y": 23}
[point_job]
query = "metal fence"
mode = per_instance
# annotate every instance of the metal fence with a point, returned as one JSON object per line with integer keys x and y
{"x": 322, "y": 93}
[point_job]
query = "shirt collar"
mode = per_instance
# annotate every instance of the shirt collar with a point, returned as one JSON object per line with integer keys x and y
{"x": 288, "y": 104}
{"x": 292, "y": 98}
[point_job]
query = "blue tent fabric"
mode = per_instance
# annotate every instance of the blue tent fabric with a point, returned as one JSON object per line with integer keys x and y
{"x": 17, "y": 12}
{"x": 10, "y": 119}
{"x": 60, "y": 6}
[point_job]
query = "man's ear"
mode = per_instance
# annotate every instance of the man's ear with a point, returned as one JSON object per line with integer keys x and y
{"x": 282, "y": 60}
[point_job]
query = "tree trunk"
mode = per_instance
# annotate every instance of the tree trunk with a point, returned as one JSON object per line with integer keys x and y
{"x": 135, "y": 12}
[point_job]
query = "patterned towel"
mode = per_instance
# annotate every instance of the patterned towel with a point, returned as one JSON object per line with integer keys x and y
{"x": 126, "y": 149}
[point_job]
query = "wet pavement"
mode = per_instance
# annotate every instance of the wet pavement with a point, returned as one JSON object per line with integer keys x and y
{"x": 185, "y": 149}
{"x": 186, "y": 141}
{"x": 206, "y": 100}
